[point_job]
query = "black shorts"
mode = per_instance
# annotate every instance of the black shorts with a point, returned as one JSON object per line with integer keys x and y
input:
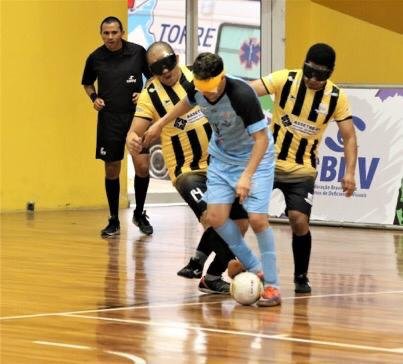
{"x": 192, "y": 186}
{"x": 112, "y": 129}
{"x": 297, "y": 195}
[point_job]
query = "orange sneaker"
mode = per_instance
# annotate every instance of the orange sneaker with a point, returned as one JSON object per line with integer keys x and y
{"x": 234, "y": 268}
{"x": 270, "y": 297}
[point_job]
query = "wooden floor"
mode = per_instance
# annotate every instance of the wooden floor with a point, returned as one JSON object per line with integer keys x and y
{"x": 68, "y": 296}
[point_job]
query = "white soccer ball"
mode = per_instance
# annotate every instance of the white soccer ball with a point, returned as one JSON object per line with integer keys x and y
{"x": 246, "y": 288}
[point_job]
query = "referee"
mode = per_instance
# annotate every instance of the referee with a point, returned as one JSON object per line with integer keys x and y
{"x": 118, "y": 67}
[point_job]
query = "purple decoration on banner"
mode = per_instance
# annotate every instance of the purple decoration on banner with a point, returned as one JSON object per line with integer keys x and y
{"x": 384, "y": 93}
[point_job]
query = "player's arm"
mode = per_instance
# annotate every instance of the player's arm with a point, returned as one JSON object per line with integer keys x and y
{"x": 259, "y": 87}
{"x": 134, "y": 137}
{"x": 182, "y": 107}
{"x": 259, "y": 149}
{"x": 347, "y": 132}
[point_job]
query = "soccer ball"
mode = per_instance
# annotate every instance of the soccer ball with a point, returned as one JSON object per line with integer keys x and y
{"x": 246, "y": 288}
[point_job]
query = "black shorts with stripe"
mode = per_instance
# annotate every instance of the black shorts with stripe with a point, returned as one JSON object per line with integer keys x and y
{"x": 192, "y": 186}
{"x": 298, "y": 195}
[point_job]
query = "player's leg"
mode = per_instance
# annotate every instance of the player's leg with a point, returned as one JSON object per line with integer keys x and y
{"x": 192, "y": 186}
{"x": 298, "y": 197}
{"x": 220, "y": 197}
{"x": 257, "y": 205}
{"x": 141, "y": 164}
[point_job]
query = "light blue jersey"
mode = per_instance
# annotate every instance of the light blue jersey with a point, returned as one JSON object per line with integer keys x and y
{"x": 234, "y": 117}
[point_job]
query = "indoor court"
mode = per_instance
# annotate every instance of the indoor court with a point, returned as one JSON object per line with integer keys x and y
{"x": 69, "y": 296}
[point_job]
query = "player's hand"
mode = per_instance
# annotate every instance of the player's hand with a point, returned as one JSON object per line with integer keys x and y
{"x": 152, "y": 134}
{"x": 99, "y": 104}
{"x": 135, "y": 97}
{"x": 243, "y": 188}
{"x": 134, "y": 143}
{"x": 348, "y": 184}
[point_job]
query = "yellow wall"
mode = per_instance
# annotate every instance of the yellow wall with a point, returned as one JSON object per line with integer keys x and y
{"x": 369, "y": 46}
{"x": 47, "y": 143}
{"x": 48, "y": 126}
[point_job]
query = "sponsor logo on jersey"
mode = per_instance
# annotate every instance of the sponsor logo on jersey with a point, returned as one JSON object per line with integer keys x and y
{"x": 131, "y": 79}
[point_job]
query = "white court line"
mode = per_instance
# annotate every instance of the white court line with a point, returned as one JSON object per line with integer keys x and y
{"x": 181, "y": 304}
{"x": 71, "y": 346}
{"x": 133, "y": 358}
{"x": 279, "y": 337}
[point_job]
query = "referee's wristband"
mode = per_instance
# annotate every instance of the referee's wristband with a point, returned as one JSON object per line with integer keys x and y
{"x": 93, "y": 96}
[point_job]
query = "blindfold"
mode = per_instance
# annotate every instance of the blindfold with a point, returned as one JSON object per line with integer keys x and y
{"x": 166, "y": 63}
{"x": 320, "y": 75}
{"x": 209, "y": 85}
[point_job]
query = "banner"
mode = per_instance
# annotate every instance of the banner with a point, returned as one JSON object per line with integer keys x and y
{"x": 378, "y": 118}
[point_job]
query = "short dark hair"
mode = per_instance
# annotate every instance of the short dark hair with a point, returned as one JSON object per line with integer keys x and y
{"x": 207, "y": 65}
{"x": 162, "y": 45}
{"x": 109, "y": 20}
{"x": 322, "y": 54}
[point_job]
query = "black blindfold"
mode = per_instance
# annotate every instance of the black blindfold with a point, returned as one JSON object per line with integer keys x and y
{"x": 166, "y": 63}
{"x": 320, "y": 75}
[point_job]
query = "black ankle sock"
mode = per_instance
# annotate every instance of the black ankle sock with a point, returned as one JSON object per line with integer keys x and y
{"x": 301, "y": 248}
{"x": 112, "y": 188}
{"x": 140, "y": 193}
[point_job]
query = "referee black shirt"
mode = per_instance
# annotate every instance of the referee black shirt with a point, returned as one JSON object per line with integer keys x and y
{"x": 119, "y": 75}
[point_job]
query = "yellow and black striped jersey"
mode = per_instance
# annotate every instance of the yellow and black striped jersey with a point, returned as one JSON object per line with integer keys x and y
{"x": 184, "y": 141}
{"x": 300, "y": 117}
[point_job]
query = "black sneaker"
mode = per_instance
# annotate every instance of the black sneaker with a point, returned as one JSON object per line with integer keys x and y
{"x": 112, "y": 229}
{"x": 302, "y": 284}
{"x": 192, "y": 270}
{"x": 142, "y": 222}
{"x": 216, "y": 286}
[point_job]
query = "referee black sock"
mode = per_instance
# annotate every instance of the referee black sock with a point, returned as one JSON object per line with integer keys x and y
{"x": 301, "y": 248}
{"x": 140, "y": 193}
{"x": 112, "y": 188}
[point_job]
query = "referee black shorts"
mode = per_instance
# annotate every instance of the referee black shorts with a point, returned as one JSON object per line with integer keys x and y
{"x": 112, "y": 130}
{"x": 297, "y": 195}
{"x": 192, "y": 186}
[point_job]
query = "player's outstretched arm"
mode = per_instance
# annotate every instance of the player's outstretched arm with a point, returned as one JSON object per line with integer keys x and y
{"x": 134, "y": 142}
{"x": 154, "y": 131}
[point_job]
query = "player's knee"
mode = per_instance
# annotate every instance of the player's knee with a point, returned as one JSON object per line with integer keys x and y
{"x": 214, "y": 220}
{"x": 141, "y": 165}
{"x": 243, "y": 225}
{"x": 258, "y": 222}
{"x": 299, "y": 222}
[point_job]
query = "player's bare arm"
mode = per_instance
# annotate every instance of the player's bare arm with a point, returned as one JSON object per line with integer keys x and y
{"x": 258, "y": 86}
{"x": 347, "y": 131}
{"x": 134, "y": 142}
{"x": 154, "y": 131}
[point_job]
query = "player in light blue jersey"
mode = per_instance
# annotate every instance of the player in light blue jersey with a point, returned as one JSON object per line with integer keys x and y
{"x": 241, "y": 163}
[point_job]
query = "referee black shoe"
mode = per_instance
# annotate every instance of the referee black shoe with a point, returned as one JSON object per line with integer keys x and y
{"x": 302, "y": 284}
{"x": 112, "y": 229}
{"x": 142, "y": 222}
